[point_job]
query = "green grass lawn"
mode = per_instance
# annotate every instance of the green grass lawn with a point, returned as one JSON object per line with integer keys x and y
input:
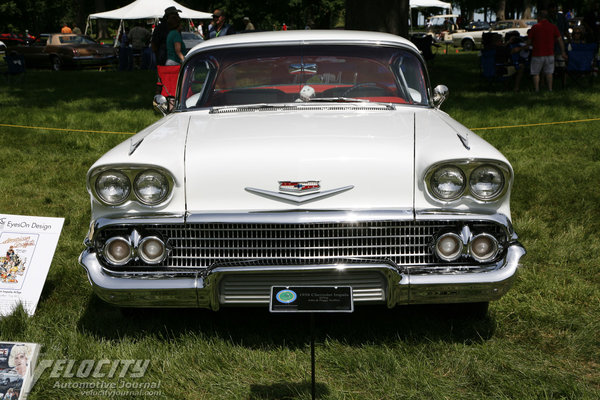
{"x": 540, "y": 341}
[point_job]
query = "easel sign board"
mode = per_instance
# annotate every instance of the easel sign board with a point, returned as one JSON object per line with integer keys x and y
{"x": 27, "y": 245}
{"x": 312, "y": 299}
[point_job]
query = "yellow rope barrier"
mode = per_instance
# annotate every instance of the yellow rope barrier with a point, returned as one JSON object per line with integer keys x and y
{"x": 538, "y": 124}
{"x": 65, "y": 130}
{"x": 473, "y": 129}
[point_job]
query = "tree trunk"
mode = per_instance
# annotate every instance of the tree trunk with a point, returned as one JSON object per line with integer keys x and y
{"x": 101, "y": 31}
{"x": 528, "y": 8}
{"x": 500, "y": 10}
{"x": 378, "y": 15}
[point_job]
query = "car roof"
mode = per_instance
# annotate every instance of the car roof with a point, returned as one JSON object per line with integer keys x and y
{"x": 304, "y": 36}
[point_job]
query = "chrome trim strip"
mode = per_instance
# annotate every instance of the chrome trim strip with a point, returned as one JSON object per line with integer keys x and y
{"x": 440, "y": 214}
{"x": 298, "y": 199}
{"x": 154, "y": 219}
{"x": 302, "y": 216}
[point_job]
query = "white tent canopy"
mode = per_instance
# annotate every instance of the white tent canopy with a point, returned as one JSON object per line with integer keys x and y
{"x": 429, "y": 3}
{"x": 146, "y": 9}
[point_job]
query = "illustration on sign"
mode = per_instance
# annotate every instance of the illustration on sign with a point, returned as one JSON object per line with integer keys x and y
{"x": 15, "y": 252}
{"x": 27, "y": 245}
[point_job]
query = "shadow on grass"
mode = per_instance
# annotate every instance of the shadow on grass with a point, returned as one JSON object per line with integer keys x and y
{"x": 98, "y": 91}
{"x": 286, "y": 390}
{"x": 257, "y": 328}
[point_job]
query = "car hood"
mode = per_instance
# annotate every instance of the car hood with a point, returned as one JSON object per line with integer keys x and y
{"x": 231, "y": 157}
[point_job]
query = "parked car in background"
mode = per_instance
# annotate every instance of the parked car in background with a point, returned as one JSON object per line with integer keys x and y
{"x": 302, "y": 158}
{"x": 13, "y": 39}
{"x": 58, "y": 51}
{"x": 190, "y": 39}
{"x": 472, "y": 40}
{"x": 477, "y": 26}
{"x": 8, "y": 376}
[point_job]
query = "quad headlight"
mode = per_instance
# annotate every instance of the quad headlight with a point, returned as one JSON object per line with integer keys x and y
{"x": 447, "y": 183}
{"x": 151, "y": 187}
{"x": 486, "y": 182}
{"x": 483, "y": 181}
{"x": 113, "y": 187}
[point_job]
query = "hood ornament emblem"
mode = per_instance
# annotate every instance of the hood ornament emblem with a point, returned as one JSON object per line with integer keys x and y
{"x": 299, "y": 187}
{"x": 298, "y": 192}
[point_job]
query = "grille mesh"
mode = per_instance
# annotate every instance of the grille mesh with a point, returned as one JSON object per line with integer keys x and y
{"x": 406, "y": 243}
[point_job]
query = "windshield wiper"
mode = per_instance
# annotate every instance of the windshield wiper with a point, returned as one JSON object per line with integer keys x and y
{"x": 338, "y": 100}
{"x": 261, "y": 106}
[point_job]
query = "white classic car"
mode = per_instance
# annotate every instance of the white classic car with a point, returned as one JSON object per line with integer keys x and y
{"x": 471, "y": 40}
{"x": 8, "y": 376}
{"x": 302, "y": 158}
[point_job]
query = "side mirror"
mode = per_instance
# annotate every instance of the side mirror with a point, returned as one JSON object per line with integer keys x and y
{"x": 160, "y": 104}
{"x": 440, "y": 93}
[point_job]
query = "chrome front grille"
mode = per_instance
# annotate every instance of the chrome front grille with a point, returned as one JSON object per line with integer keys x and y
{"x": 202, "y": 245}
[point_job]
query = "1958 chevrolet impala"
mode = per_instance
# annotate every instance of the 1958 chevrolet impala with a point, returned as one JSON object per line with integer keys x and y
{"x": 302, "y": 158}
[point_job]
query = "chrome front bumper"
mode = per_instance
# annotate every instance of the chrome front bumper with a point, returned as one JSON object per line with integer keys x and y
{"x": 203, "y": 288}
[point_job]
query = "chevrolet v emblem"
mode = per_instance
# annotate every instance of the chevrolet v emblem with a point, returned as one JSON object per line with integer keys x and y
{"x": 298, "y": 198}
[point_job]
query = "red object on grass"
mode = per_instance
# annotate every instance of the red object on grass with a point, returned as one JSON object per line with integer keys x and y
{"x": 167, "y": 78}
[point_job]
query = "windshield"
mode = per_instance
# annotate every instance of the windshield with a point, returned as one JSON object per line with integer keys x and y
{"x": 76, "y": 40}
{"x": 287, "y": 74}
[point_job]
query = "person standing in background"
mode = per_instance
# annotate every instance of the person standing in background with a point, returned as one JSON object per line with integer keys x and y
{"x": 542, "y": 37}
{"x": 219, "y": 27}
{"x": 249, "y": 25}
{"x": 159, "y": 36}
{"x": 175, "y": 46}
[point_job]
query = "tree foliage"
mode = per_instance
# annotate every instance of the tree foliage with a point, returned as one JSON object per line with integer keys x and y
{"x": 48, "y": 15}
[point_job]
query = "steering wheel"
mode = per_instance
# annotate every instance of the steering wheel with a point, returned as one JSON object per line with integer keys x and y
{"x": 359, "y": 86}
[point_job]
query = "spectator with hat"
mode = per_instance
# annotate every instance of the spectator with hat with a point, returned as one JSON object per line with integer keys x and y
{"x": 219, "y": 27}
{"x": 159, "y": 36}
{"x": 175, "y": 46}
{"x": 249, "y": 26}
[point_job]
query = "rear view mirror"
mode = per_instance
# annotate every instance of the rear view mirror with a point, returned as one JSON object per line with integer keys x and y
{"x": 160, "y": 104}
{"x": 440, "y": 93}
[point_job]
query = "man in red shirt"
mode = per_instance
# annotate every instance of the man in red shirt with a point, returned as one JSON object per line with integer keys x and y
{"x": 542, "y": 37}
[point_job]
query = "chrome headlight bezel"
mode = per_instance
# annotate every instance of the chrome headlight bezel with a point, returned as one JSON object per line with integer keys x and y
{"x": 468, "y": 167}
{"x": 132, "y": 173}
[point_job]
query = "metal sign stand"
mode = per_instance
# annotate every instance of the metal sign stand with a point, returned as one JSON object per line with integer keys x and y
{"x": 311, "y": 299}
{"x": 313, "y": 387}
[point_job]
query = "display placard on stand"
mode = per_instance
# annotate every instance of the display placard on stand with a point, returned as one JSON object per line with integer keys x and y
{"x": 27, "y": 245}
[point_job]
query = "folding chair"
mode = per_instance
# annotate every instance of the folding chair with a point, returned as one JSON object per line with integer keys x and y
{"x": 581, "y": 61}
{"x": 424, "y": 42}
{"x": 16, "y": 66}
{"x": 167, "y": 79}
{"x": 491, "y": 71}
